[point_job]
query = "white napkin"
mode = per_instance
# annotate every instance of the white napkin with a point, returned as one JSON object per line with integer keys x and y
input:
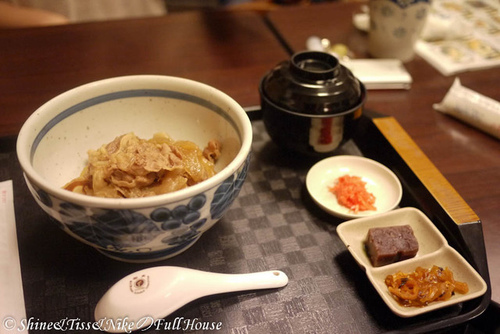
{"x": 380, "y": 73}
{"x": 12, "y": 308}
{"x": 373, "y": 73}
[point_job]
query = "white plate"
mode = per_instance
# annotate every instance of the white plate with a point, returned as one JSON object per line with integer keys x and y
{"x": 433, "y": 250}
{"x": 380, "y": 181}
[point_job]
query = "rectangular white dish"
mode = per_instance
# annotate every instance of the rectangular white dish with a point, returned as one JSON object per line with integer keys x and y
{"x": 433, "y": 250}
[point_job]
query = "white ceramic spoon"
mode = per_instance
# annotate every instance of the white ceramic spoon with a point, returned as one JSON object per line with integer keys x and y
{"x": 148, "y": 295}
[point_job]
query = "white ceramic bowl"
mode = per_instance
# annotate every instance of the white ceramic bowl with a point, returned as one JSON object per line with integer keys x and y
{"x": 52, "y": 150}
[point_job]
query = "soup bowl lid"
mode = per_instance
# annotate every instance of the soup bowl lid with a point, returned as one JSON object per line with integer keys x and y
{"x": 312, "y": 83}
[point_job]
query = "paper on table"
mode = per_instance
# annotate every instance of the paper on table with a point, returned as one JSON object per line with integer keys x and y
{"x": 461, "y": 36}
{"x": 380, "y": 73}
{"x": 373, "y": 73}
{"x": 12, "y": 306}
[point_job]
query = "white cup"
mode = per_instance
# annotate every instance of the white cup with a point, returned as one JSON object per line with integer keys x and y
{"x": 395, "y": 26}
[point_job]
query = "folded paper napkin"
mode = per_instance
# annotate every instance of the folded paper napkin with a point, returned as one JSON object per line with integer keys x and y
{"x": 373, "y": 73}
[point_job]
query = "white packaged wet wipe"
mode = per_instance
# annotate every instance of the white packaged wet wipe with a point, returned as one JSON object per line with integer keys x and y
{"x": 472, "y": 108}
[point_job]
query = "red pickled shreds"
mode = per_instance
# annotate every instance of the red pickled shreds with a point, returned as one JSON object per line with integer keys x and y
{"x": 351, "y": 193}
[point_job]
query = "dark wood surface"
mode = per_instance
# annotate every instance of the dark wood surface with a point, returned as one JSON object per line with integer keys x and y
{"x": 467, "y": 157}
{"x": 228, "y": 50}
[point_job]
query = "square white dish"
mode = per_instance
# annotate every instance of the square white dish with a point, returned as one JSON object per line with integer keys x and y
{"x": 433, "y": 250}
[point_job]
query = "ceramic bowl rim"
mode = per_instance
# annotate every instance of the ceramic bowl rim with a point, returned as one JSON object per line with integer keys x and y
{"x": 24, "y": 144}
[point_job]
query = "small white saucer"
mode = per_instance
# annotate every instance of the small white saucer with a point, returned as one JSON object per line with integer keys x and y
{"x": 380, "y": 181}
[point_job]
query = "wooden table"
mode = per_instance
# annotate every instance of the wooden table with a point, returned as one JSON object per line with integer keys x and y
{"x": 468, "y": 158}
{"x": 231, "y": 51}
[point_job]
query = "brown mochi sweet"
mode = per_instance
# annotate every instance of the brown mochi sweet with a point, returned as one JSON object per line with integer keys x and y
{"x": 385, "y": 245}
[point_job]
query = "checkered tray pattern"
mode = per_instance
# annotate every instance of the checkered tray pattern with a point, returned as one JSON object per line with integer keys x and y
{"x": 272, "y": 225}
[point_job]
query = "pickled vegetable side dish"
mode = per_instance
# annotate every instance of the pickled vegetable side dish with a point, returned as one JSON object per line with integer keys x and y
{"x": 424, "y": 286}
{"x": 351, "y": 193}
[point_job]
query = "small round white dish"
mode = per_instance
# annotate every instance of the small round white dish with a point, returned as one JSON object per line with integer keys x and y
{"x": 380, "y": 181}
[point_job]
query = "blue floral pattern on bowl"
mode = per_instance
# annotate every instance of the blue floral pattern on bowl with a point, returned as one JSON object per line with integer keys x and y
{"x": 228, "y": 191}
{"x": 139, "y": 235}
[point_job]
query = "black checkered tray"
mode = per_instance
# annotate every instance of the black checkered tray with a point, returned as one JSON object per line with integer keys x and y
{"x": 273, "y": 224}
